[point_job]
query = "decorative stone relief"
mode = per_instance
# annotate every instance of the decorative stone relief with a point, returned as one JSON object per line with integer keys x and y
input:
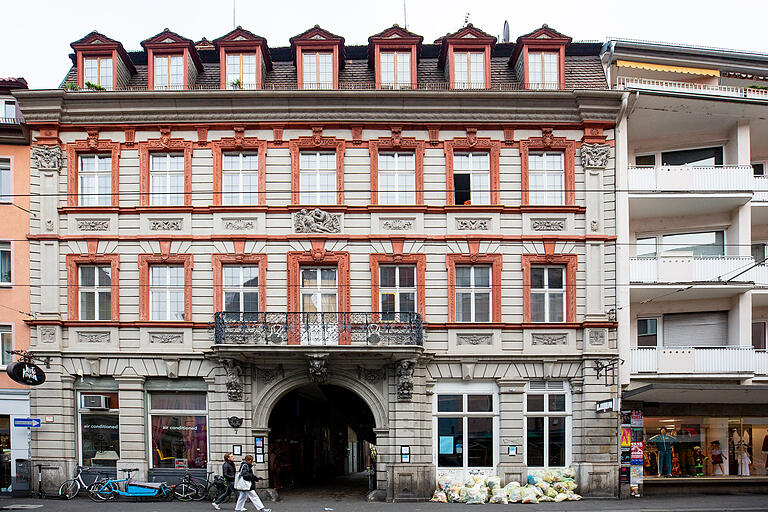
{"x": 93, "y": 337}
{"x": 94, "y": 365}
{"x": 234, "y": 380}
{"x": 371, "y": 375}
{"x": 596, "y": 337}
{"x": 171, "y": 337}
{"x": 405, "y": 379}
{"x": 397, "y": 224}
{"x": 93, "y": 225}
{"x": 172, "y": 368}
{"x": 316, "y": 221}
{"x": 549, "y": 339}
{"x": 594, "y": 225}
{"x": 318, "y": 368}
{"x": 473, "y": 224}
{"x": 49, "y": 224}
{"x": 166, "y": 224}
{"x": 48, "y": 157}
{"x": 595, "y": 156}
{"x": 474, "y": 339}
{"x": 239, "y": 224}
{"x": 270, "y": 374}
{"x": 47, "y": 334}
{"x": 548, "y": 224}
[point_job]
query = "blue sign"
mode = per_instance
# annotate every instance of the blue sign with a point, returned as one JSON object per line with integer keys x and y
{"x": 26, "y": 422}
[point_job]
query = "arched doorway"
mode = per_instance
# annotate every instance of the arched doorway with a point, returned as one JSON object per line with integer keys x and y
{"x": 320, "y": 440}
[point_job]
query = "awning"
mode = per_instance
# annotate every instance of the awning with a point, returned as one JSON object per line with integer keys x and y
{"x": 699, "y": 393}
{"x": 665, "y": 67}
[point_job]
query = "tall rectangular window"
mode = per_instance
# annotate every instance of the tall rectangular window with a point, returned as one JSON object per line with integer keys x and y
{"x": 543, "y": 70}
{"x": 317, "y": 70}
{"x": 472, "y": 178}
{"x": 397, "y": 290}
{"x": 95, "y": 288}
{"x": 166, "y": 177}
{"x": 473, "y": 293}
{"x": 179, "y": 429}
{"x": 8, "y": 112}
{"x": 469, "y": 70}
{"x": 317, "y": 170}
{"x": 396, "y": 70}
{"x": 166, "y": 287}
{"x": 397, "y": 178}
{"x": 647, "y": 332}
{"x": 169, "y": 72}
{"x": 759, "y": 252}
{"x": 241, "y": 70}
{"x": 546, "y": 177}
{"x": 95, "y": 175}
{"x": 547, "y": 411}
{"x": 466, "y": 418}
{"x": 758, "y": 335}
{"x": 319, "y": 305}
{"x": 5, "y": 263}
{"x": 98, "y": 71}
{"x": 6, "y": 345}
{"x": 241, "y": 288}
{"x": 5, "y": 181}
{"x": 548, "y": 294}
{"x": 99, "y": 428}
{"x": 240, "y": 178}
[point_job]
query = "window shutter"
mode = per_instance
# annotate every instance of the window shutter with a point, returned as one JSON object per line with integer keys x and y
{"x": 709, "y": 329}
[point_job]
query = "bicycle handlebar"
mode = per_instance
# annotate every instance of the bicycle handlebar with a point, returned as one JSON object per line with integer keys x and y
{"x": 129, "y": 470}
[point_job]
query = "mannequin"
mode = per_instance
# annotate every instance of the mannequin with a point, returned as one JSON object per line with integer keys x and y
{"x": 717, "y": 458}
{"x": 664, "y": 444}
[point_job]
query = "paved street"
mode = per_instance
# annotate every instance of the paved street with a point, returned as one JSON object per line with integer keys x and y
{"x": 695, "y": 503}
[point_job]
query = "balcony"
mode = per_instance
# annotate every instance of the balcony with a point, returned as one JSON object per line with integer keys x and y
{"x": 684, "y": 268}
{"x": 714, "y": 90}
{"x": 699, "y": 361}
{"x": 761, "y": 189}
{"x": 683, "y": 179}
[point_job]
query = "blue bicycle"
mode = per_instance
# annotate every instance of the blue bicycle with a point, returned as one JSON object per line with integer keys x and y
{"x": 129, "y": 488}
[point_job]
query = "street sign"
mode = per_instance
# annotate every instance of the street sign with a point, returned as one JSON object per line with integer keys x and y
{"x": 27, "y": 422}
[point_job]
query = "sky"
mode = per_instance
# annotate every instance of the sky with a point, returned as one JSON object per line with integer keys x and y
{"x": 34, "y": 40}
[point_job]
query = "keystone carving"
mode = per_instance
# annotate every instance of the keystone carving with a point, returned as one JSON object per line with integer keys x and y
{"x": 473, "y": 339}
{"x": 48, "y": 157}
{"x": 166, "y": 225}
{"x": 47, "y": 334}
{"x": 239, "y": 224}
{"x": 318, "y": 368}
{"x": 234, "y": 380}
{"x": 93, "y": 225}
{"x": 405, "y": 379}
{"x": 595, "y": 156}
{"x": 371, "y": 375}
{"x": 93, "y": 337}
{"x": 316, "y": 221}
{"x": 548, "y": 224}
{"x": 166, "y": 338}
{"x": 270, "y": 374}
{"x": 397, "y": 224}
{"x": 473, "y": 224}
{"x": 549, "y": 339}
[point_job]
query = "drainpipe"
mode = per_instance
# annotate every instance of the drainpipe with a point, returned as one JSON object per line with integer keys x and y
{"x": 622, "y": 241}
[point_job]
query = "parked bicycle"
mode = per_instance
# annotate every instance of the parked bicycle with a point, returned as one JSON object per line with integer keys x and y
{"x": 194, "y": 489}
{"x": 72, "y": 487}
{"x": 216, "y": 487}
{"x": 110, "y": 489}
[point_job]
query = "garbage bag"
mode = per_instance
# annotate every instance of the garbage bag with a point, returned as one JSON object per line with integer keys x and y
{"x": 493, "y": 482}
{"x": 499, "y": 496}
{"x": 439, "y": 496}
{"x": 477, "y": 495}
{"x": 561, "y": 497}
{"x": 454, "y": 493}
{"x": 569, "y": 473}
{"x": 572, "y": 496}
{"x": 551, "y": 492}
{"x": 514, "y": 494}
{"x": 528, "y": 495}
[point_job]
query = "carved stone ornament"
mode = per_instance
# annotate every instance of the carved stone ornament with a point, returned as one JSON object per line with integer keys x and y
{"x": 316, "y": 221}
{"x": 49, "y": 224}
{"x": 270, "y": 374}
{"x": 172, "y": 368}
{"x": 595, "y": 156}
{"x": 596, "y": 337}
{"x": 93, "y": 337}
{"x": 474, "y": 339}
{"x": 47, "y": 334}
{"x": 234, "y": 380}
{"x": 164, "y": 338}
{"x": 48, "y": 157}
{"x": 166, "y": 224}
{"x": 318, "y": 368}
{"x": 371, "y": 375}
{"x": 594, "y": 225}
{"x": 548, "y": 224}
{"x": 397, "y": 224}
{"x": 93, "y": 225}
{"x": 473, "y": 224}
{"x": 549, "y": 339}
{"x": 239, "y": 224}
{"x": 405, "y": 379}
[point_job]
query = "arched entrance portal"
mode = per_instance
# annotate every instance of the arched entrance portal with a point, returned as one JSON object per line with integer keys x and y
{"x": 321, "y": 436}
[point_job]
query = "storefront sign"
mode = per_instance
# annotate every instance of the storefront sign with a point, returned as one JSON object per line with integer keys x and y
{"x": 626, "y": 436}
{"x": 180, "y": 464}
{"x": 25, "y": 373}
{"x": 637, "y": 453}
{"x": 606, "y": 405}
{"x": 637, "y": 418}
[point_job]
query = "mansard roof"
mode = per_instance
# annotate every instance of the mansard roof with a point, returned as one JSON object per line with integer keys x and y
{"x": 96, "y": 40}
{"x": 171, "y": 40}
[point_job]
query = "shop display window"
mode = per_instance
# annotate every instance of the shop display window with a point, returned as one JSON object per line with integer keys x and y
{"x": 179, "y": 423}
{"x": 547, "y": 425}
{"x": 99, "y": 429}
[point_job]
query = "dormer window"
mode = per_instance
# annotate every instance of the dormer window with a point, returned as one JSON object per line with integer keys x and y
{"x": 319, "y": 57}
{"x": 169, "y": 72}
{"x": 241, "y": 70}
{"x": 317, "y": 70}
{"x": 393, "y": 55}
{"x": 466, "y": 58}
{"x": 244, "y": 59}
{"x": 539, "y": 59}
{"x": 98, "y": 71}
{"x": 543, "y": 70}
{"x": 173, "y": 61}
{"x": 101, "y": 62}
{"x": 395, "y": 70}
{"x": 469, "y": 70}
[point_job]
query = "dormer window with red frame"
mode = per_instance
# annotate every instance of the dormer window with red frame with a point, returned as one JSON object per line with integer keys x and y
{"x": 539, "y": 59}
{"x": 102, "y": 63}
{"x": 466, "y": 57}
{"x": 244, "y": 59}
{"x": 172, "y": 60}
{"x": 319, "y": 56}
{"x": 394, "y": 55}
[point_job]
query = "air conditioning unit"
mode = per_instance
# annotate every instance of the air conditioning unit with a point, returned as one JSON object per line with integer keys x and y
{"x": 95, "y": 402}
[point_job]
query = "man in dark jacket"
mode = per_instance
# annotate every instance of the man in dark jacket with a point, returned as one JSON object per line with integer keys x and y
{"x": 228, "y": 472}
{"x": 246, "y": 472}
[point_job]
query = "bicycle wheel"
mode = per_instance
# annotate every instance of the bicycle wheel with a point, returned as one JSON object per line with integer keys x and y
{"x": 100, "y": 491}
{"x": 184, "y": 491}
{"x": 69, "y": 489}
{"x": 201, "y": 492}
{"x": 216, "y": 489}
{"x": 167, "y": 493}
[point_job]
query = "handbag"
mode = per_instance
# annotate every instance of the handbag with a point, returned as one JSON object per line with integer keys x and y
{"x": 241, "y": 484}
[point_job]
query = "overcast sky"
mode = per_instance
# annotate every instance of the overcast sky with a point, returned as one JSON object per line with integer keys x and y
{"x": 35, "y": 35}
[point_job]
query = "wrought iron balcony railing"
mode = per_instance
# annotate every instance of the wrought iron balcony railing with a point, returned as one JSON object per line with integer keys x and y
{"x": 294, "y": 328}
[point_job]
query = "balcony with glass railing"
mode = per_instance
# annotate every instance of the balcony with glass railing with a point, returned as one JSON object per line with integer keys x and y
{"x": 722, "y": 360}
{"x": 715, "y": 90}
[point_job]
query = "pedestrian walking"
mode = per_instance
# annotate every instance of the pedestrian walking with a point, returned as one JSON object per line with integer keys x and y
{"x": 248, "y": 492}
{"x": 228, "y": 471}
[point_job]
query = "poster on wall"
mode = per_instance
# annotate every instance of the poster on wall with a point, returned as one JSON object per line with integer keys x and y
{"x": 637, "y": 453}
{"x": 636, "y": 475}
{"x": 626, "y": 437}
{"x": 625, "y": 418}
{"x": 637, "y": 418}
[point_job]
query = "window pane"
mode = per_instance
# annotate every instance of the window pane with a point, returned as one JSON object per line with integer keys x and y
{"x": 482, "y": 277}
{"x": 482, "y": 307}
{"x": 479, "y": 403}
{"x": 555, "y": 278}
{"x": 758, "y": 335}
{"x": 450, "y": 442}
{"x": 535, "y": 442}
{"x": 556, "y": 403}
{"x": 100, "y": 439}
{"x": 309, "y": 278}
{"x": 646, "y": 247}
{"x": 537, "y": 277}
{"x": 7, "y": 345}
{"x": 178, "y": 401}
{"x": 87, "y": 306}
{"x": 388, "y": 302}
{"x": 480, "y": 441}
{"x": 406, "y": 276}
{"x": 556, "y": 442}
{"x": 555, "y": 307}
{"x": 449, "y": 403}
{"x": 463, "y": 307}
{"x": 328, "y": 277}
{"x": 105, "y": 307}
{"x": 535, "y": 403}
{"x": 537, "y": 307}
{"x": 87, "y": 276}
{"x": 231, "y": 301}
{"x": 104, "y": 276}
{"x": 387, "y": 277}
{"x": 250, "y": 301}
{"x": 407, "y": 303}
{"x": 5, "y": 265}
{"x": 463, "y": 277}
{"x": 180, "y": 439}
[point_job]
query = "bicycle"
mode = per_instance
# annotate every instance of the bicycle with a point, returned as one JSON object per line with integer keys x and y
{"x": 216, "y": 487}
{"x": 69, "y": 489}
{"x": 191, "y": 488}
{"x": 110, "y": 489}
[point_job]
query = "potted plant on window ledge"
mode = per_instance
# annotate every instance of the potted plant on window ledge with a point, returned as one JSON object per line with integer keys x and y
{"x": 94, "y": 87}
{"x": 236, "y": 84}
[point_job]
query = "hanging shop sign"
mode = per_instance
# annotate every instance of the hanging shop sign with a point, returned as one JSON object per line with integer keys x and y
{"x": 607, "y": 405}
{"x": 25, "y": 372}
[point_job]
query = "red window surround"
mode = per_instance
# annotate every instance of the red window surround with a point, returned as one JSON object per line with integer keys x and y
{"x": 548, "y": 142}
{"x": 165, "y": 144}
{"x": 316, "y": 143}
{"x": 240, "y": 40}
{"x": 469, "y": 144}
{"x": 218, "y": 260}
{"x": 145, "y": 260}
{"x": 91, "y": 146}
{"x": 396, "y": 143}
{"x": 318, "y": 256}
{"x": 168, "y": 43}
{"x": 543, "y": 39}
{"x": 394, "y": 39}
{"x": 419, "y": 260}
{"x": 73, "y": 293}
{"x": 468, "y": 39}
{"x": 319, "y": 40}
{"x": 99, "y": 45}
{"x": 496, "y": 263}
{"x": 239, "y": 143}
{"x": 570, "y": 261}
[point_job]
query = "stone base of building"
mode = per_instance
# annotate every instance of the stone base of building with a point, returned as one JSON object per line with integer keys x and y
{"x": 410, "y": 482}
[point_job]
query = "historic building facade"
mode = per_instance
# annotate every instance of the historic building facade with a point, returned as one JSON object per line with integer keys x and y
{"x": 231, "y": 241}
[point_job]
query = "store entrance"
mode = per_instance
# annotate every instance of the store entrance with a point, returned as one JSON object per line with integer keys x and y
{"x": 320, "y": 442}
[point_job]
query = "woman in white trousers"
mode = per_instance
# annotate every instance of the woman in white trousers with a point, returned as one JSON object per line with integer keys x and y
{"x": 246, "y": 472}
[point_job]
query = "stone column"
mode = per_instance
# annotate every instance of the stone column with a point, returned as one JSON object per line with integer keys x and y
{"x": 133, "y": 422}
{"x": 511, "y": 392}
{"x": 53, "y": 444}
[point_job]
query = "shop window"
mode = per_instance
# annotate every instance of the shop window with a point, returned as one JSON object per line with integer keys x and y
{"x": 472, "y": 178}
{"x": 5, "y": 181}
{"x": 241, "y": 288}
{"x": 99, "y": 429}
{"x": 547, "y": 410}
{"x": 5, "y": 262}
{"x": 317, "y": 171}
{"x": 546, "y": 175}
{"x": 758, "y": 335}
{"x": 646, "y": 332}
{"x": 240, "y": 178}
{"x": 397, "y": 290}
{"x": 548, "y": 294}
{"x": 466, "y": 425}
{"x": 6, "y": 480}
{"x": 397, "y": 178}
{"x": 166, "y": 179}
{"x": 95, "y": 174}
{"x": 6, "y": 344}
{"x": 179, "y": 424}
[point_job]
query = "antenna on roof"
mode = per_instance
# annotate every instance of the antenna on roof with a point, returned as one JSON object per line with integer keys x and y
{"x": 234, "y": 22}
{"x": 466, "y": 19}
{"x": 505, "y": 32}
{"x": 405, "y": 17}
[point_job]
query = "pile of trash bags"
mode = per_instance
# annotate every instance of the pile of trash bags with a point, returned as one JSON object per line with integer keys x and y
{"x": 542, "y": 485}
